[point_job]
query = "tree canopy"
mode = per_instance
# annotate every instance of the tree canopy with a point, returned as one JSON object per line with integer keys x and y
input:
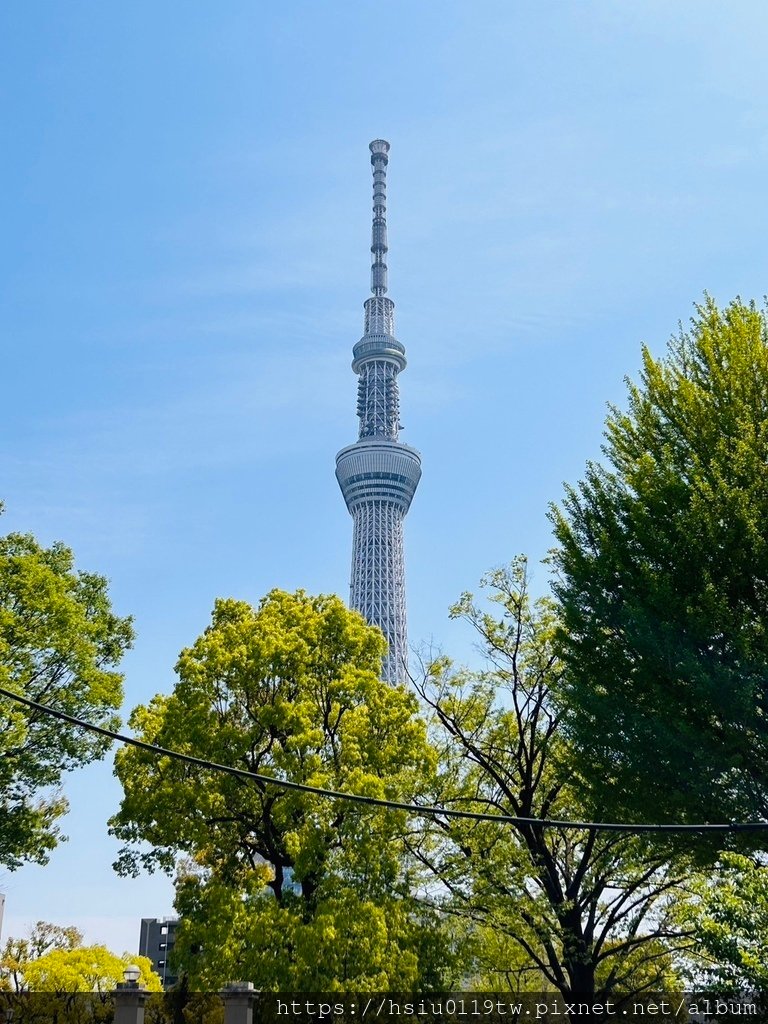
{"x": 575, "y": 910}
{"x": 86, "y": 969}
{"x": 727, "y": 910}
{"x": 18, "y": 953}
{"x": 50, "y": 975}
{"x": 60, "y": 643}
{"x": 282, "y": 887}
{"x": 662, "y": 584}
{"x": 53, "y": 958}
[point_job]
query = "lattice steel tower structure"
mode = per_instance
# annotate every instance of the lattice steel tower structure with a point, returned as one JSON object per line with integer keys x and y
{"x": 378, "y": 475}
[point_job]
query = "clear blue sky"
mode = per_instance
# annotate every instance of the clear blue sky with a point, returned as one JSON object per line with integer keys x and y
{"x": 185, "y": 194}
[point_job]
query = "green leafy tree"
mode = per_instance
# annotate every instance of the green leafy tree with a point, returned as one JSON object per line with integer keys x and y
{"x": 349, "y": 942}
{"x": 51, "y": 976}
{"x": 281, "y": 887}
{"x": 86, "y": 969}
{"x": 662, "y": 583}
{"x": 727, "y": 909}
{"x": 574, "y": 911}
{"x": 59, "y": 643}
{"x": 45, "y": 937}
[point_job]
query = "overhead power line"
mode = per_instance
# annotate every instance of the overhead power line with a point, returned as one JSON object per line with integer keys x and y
{"x": 418, "y": 809}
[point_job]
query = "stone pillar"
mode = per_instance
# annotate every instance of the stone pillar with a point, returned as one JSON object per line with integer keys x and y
{"x": 238, "y": 999}
{"x": 129, "y": 1003}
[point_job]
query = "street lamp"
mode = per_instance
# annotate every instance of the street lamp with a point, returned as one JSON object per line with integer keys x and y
{"x": 129, "y": 998}
{"x": 131, "y": 975}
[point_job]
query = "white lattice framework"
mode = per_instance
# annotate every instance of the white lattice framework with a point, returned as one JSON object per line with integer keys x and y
{"x": 378, "y": 577}
{"x": 379, "y": 316}
{"x": 378, "y": 475}
{"x": 378, "y": 401}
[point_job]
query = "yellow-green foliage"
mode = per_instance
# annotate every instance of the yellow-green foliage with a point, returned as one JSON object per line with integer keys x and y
{"x": 282, "y": 887}
{"x": 86, "y": 969}
{"x": 53, "y": 959}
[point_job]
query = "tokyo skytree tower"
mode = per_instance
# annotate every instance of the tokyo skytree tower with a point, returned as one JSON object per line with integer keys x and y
{"x": 378, "y": 475}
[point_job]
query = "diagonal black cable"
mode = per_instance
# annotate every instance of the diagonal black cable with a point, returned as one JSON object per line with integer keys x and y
{"x": 419, "y": 809}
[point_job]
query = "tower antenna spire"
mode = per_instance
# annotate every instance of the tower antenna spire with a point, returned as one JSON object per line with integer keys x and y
{"x": 379, "y": 160}
{"x": 378, "y": 474}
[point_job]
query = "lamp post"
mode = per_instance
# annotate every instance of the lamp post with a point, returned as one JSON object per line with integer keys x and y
{"x": 130, "y": 998}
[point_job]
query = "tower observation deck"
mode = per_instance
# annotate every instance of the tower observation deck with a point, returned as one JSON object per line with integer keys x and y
{"x": 378, "y": 475}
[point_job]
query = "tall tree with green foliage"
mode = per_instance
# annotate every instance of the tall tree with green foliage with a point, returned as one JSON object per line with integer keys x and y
{"x": 285, "y": 888}
{"x": 50, "y": 976}
{"x": 86, "y": 969}
{"x": 60, "y": 643}
{"x": 43, "y": 938}
{"x": 727, "y": 910}
{"x": 662, "y": 584}
{"x": 574, "y": 910}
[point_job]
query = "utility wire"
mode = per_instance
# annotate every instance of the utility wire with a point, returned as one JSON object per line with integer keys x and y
{"x": 419, "y": 809}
